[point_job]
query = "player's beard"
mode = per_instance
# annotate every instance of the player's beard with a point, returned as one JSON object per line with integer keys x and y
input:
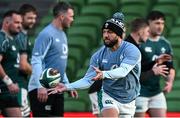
{"x": 13, "y": 33}
{"x": 111, "y": 43}
{"x": 28, "y": 26}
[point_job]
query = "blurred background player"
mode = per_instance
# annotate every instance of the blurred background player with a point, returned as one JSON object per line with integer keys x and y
{"x": 117, "y": 64}
{"x": 139, "y": 32}
{"x": 50, "y": 51}
{"x": 10, "y": 80}
{"x": 29, "y": 15}
{"x": 151, "y": 97}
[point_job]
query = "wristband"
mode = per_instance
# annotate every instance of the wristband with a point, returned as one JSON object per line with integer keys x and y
{"x": 7, "y": 80}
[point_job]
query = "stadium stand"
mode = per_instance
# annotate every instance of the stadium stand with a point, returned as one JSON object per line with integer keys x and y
{"x": 81, "y": 42}
{"x": 87, "y": 31}
{"x": 170, "y": 16}
{"x": 97, "y": 10}
{"x": 89, "y": 20}
{"x": 110, "y": 3}
{"x": 77, "y": 4}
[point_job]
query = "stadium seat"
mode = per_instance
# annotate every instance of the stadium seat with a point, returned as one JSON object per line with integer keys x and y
{"x": 131, "y": 9}
{"x": 87, "y": 31}
{"x": 168, "y": 2}
{"x": 111, "y": 3}
{"x": 176, "y": 65}
{"x": 145, "y": 3}
{"x": 176, "y": 52}
{"x": 80, "y": 42}
{"x": 81, "y": 72}
{"x": 171, "y": 12}
{"x": 46, "y": 20}
{"x": 173, "y": 94}
{"x": 102, "y": 11}
{"x": 77, "y": 54}
{"x": 89, "y": 20}
{"x": 177, "y": 22}
{"x": 176, "y": 85}
{"x": 176, "y": 57}
{"x": 175, "y": 31}
{"x": 173, "y": 105}
{"x": 77, "y": 5}
{"x": 72, "y": 68}
{"x": 175, "y": 41}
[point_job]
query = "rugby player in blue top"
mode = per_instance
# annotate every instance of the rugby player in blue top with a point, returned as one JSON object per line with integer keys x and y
{"x": 50, "y": 51}
{"x": 117, "y": 63}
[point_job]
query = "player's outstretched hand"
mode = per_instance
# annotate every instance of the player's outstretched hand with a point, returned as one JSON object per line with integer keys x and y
{"x": 58, "y": 89}
{"x": 99, "y": 74}
{"x": 160, "y": 70}
{"x": 163, "y": 58}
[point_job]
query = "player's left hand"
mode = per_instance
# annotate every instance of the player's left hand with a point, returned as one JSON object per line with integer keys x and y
{"x": 99, "y": 73}
{"x": 163, "y": 58}
{"x": 58, "y": 89}
{"x": 74, "y": 94}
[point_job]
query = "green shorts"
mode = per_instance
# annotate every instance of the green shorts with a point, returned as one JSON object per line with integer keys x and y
{"x": 8, "y": 100}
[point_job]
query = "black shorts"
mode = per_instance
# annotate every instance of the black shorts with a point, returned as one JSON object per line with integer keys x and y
{"x": 54, "y": 107}
{"x": 8, "y": 100}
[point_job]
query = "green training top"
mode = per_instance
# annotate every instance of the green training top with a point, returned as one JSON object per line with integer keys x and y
{"x": 150, "y": 84}
{"x": 9, "y": 49}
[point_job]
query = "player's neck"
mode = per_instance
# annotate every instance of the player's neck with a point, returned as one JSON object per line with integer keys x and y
{"x": 57, "y": 24}
{"x": 154, "y": 38}
{"x": 115, "y": 47}
{"x": 136, "y": 37}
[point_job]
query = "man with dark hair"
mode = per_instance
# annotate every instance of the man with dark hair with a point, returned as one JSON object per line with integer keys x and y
{"x": 29, "y": 15}
{"x": 10, "y": 81}
{"x": 139, "y": 32}
{"x": 117, "y": 64}
{"x": 50, "y": 51}
{"x": 151, "y": 97}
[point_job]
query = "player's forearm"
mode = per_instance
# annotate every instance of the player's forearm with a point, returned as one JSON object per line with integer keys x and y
{"x": 2, "y": 72}
{"x": 171, "y": 76}
{"x": 65, "y": 79}
{"x": 117, "y": 73}
{"x": 37, "y": 69}
{"x": 80, "y": 84}
{"x": 5, "y": 78}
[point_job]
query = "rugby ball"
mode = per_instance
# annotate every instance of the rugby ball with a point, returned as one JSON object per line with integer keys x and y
{"x": 50, "y": 78}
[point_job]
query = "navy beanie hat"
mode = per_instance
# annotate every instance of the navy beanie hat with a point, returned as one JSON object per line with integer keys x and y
{"x": 115, "y": 24}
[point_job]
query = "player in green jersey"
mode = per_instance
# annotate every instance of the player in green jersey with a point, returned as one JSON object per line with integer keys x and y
{"x": 29, "y": 15}
{"x": 10, "y": 81}
{"x": 151, "y": 97}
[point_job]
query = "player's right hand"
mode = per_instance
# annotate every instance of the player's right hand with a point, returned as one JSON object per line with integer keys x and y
{"x": 99, "y": 74}
{"x": 42, "y": 94}
{"x": 13, "y": 88}
{"x": 162, "y": 70}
